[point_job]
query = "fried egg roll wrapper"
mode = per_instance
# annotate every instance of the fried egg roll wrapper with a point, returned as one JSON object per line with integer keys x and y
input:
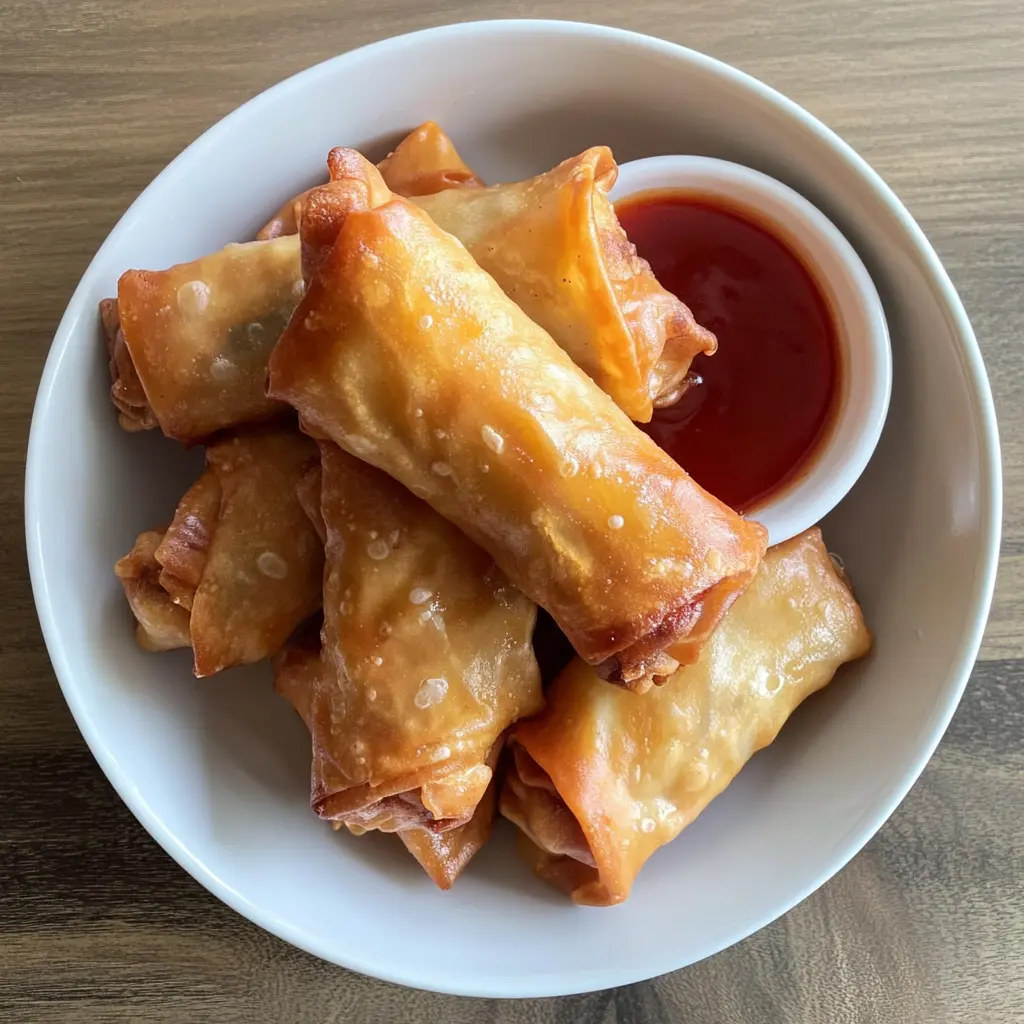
{"x": 241, "y": 564}
{"x": 296, "y": 667}
{"x": 407, "y": 354}
{"x": 601, "y": 779}
{"x": 425, "y": 161}
{"x": 197, "y": 337}
{"x": 286, "y": 220}
{"x": 443, "y": 855}
{"x": 126, "y": 391}
{"x": 190, "y": 355}
{"x": 184, "y": 551}
{"x": 427, "y": 658}
{"x": 307, "y": 490}
{"x": 354, "y": 185}
{"x": 299, "y": 670}
{"x": 161, "y": 625}
{"x": 556, "y": 247}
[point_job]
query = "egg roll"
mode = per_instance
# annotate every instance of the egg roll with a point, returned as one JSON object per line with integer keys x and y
{"x": 240, "y": 565}
{"x": 285, "y": 220}
{"x": 408, "y": 355}
{"x": 556, "y": 247}
{"x": 442, "y": 855}
{"x": 353, "y": 185}
{"x": 602, "y": 779}
{"x": 425, "y": 161}
{"x": 307, "y": 490}
{"x": 190, "y": 350}
{"x": 126, "y": 391}
{"x": 296, "y": 667}
{"x": 160, "y": 624}
{"x": 188, "y": 346}
{"x": 426, "y": 659}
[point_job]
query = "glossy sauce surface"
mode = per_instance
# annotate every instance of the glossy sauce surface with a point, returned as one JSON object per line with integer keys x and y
{"x": 760, "y": 405}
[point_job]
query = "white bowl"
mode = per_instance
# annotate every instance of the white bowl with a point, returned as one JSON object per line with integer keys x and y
{"x": 865, "y": 357}
{"x": 217, "y": 770}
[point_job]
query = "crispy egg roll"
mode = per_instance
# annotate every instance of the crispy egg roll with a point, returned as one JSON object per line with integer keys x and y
{"x": 240, "y": 566}
{"x": 285, "y": 220}
{"x": 405, "y": 353}
{"x": 187, "y": 346}
{"x": 427, "y": 658}
{"x": 425, "y": 161}
{"x": 442, "y": 855}
{"x": 351, "y": 187}
{"x": 161, "y": 625}
{"x": 190, "y": 352}
{"x": 307, "y": 490}
{"x": 601, "y": 779}
{"x": 556, "y": 247}
{"x": 126, "y": 390}
{"x": 296, "y": 667}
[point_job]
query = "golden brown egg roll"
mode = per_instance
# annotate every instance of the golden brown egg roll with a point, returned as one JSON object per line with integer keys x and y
{"x": 427, "y": 658}
{"x": 240, "y": 566}
{"x": 161, "y": 625}
{"x": 601, "y": 779}
{"x": 196, "y": 338}
{"x": 285, "y": 220}
{"x": 307, "y": 490}
{"x": 327, "y": 207}
{"x": 188, "y": 346}
{"x": 556, "y": 247}
{"x": 408, "y": 355}
{"x": 425, "y": 161}
{"x": 443, "y": 855}
{"x": 126, "y": 391}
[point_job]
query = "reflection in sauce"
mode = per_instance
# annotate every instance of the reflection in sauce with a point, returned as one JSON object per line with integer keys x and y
{"x": 763, "y": 399}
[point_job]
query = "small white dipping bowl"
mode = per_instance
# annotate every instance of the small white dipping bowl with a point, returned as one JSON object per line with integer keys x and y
{"x": 865, "y": 357}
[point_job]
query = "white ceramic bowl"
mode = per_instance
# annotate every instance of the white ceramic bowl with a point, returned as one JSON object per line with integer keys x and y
{"x": 217, "y": 770}
{"x": 864, "y": 353}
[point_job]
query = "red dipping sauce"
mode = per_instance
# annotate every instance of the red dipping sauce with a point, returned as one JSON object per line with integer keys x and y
{"x": 764, "y": 400}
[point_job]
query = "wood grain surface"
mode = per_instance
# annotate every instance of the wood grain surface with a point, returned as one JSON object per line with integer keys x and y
{"x": 97, "y": 924}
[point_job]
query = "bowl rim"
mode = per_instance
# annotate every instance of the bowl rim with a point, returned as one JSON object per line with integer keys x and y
{"x": 861, "y": 403}
{"x": 990, "y": 470}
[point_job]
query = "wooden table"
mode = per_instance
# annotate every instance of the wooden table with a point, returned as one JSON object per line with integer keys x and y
{"x": 98, "y": 924}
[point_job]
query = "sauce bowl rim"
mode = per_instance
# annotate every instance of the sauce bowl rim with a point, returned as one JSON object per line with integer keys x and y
{"x": 864, "y": 350}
